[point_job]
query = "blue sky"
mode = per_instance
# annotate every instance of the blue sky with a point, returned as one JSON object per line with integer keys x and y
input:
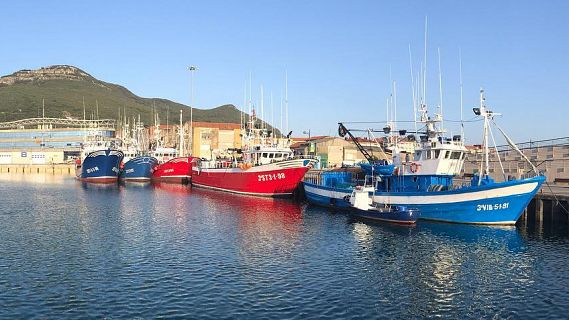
{"x": 338, "y": 54}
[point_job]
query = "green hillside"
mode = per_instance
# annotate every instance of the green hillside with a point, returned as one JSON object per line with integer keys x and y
{"x": 64, "y": 88}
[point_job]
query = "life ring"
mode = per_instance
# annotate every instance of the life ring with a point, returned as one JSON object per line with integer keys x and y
{"x": 414, "y": 167}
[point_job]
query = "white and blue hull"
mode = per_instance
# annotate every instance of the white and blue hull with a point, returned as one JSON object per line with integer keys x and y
{"x": 101, "y": 166}
{"x": 139, "y": 169}
{"x": 332, "y": 197}
{"x": 497, "y": 203}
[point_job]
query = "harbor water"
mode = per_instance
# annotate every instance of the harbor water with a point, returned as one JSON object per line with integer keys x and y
{"x": 75, "y": 250}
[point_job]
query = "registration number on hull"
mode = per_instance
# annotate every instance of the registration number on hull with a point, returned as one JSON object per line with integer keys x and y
{"x": 270, "y": 177}
{"x": 491, "y": 207}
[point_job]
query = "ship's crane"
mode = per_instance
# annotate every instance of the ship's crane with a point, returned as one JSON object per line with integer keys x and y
{"x": 343, "y": 131}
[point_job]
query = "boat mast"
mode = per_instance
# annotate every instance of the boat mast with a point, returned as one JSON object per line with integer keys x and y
{"x": 461, "y": 114}
{"x": 286, "y": 100}
{"x": 181, "y": 135}
{"x": 440, "y": 90}
{"x": 192, "y": 69}
{"x": 425, "y": 68}
{"x": 413, "y": 89}
{"x": 485, "y": 164}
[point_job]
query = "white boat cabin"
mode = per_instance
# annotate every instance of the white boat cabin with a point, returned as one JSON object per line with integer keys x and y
{"x": 260, "y": 155}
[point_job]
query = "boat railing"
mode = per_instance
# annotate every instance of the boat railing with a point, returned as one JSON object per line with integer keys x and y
{"x": 304, "y": 157}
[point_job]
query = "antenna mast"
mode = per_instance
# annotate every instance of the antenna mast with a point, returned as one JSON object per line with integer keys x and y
{"x": 286, "y": 100}
{"x": 425, "y": 68}
{"x": 461, "y": 114}
{"x": 181, "y": 135}
{"x": 440, "y": 90}
{"x": 413, "y": 89}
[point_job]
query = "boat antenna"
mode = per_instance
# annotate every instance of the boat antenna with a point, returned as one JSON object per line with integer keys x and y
{"x": 84, "y": 115}
{"x": 286, "y": 99}
{"x": 181, "y": 135}
{"x": 394, "y": 104}
{"x": 413, "y": 89}
{"x": 243, "y": 107}
{"x": 192, "y": 70}
{"x": 440, "y": 90}
{"x": 262, "y": 108}
{"x": 461, "y": 105}
{"x": 484, "y": 113}
{"x": 281, "y": 126}
{"x": 250, "y": 94}
{"x": 425, "y": 67}
{"x": 272, "y": 119}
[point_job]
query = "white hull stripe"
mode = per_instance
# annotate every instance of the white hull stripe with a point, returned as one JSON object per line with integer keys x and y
{"x": 241, "y": 192}
{"x": 326, "y": 193}
{"x": 102, "y": 177}
{"x": 458, "y": 197}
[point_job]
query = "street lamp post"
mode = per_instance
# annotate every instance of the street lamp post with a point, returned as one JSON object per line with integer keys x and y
{"x": 192, "y": 69}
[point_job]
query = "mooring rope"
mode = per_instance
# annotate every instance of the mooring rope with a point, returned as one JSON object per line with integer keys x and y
{"x": 557, "y": 203}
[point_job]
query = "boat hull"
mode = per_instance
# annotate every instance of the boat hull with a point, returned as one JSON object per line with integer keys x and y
{"x": 270, "y": 180}
{"x": 139, "y": 169}
{"x": 495, "y": 204}
{"x": 331, "y": 197}
{"x": 176, "y": 170}
{"x": 101, "y": 166}
{"x": 404, "y": 216}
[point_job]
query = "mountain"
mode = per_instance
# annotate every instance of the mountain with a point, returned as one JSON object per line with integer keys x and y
{"x": 64, "y": 88}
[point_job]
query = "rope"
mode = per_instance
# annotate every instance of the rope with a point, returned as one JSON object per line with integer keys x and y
{"x": 557, "y": 203}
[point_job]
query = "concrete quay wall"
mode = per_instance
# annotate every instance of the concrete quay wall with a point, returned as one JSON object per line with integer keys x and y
{"x": 59, "y": 169}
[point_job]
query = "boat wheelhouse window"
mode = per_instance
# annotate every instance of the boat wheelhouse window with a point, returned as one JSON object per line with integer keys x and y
{"x": 428, "y": 156}
{"x": 265, "y": 155}
{"x": 447, "y": 154}
{"x": 455, "y": 155}
{"x": 437, "y": 153}
{"x": 271, "y": 155}
{"x": 417, "y": 155}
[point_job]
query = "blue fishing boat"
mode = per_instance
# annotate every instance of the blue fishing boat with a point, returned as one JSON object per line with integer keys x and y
{"x": 100, "y": 166}
{"x": 425, "y": 178}
{"x": 363, "y": 206}
{"x": 329, "y": 188}
{"x": 426, "y": 181}
{"x": 139, "y": 169}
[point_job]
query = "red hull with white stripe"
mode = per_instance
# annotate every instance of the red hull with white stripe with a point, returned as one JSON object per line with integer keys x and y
{"x": 269, "y": 180}
{"x": 177, "y": 170}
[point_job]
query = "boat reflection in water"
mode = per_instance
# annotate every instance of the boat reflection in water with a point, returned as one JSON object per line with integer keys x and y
{"x": 441, "y": 261}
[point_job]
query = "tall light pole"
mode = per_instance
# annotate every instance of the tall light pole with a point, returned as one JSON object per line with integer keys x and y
{"x": 192, "y": 69}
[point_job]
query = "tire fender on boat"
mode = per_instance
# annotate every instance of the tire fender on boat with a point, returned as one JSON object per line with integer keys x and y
{"x": 414, "y": 167}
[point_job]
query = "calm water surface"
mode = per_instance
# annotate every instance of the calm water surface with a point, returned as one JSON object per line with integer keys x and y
{"x": 73, "y": 250}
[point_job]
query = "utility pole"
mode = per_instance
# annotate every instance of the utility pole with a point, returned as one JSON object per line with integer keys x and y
{"x": 192, "y": 69}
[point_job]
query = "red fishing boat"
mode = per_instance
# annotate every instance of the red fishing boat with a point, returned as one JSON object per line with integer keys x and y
{"x": 265, "y": 167}
{"x": 173, "y": 166}
{"x": 264, "y": 171}
{"x": 175, "y": 170}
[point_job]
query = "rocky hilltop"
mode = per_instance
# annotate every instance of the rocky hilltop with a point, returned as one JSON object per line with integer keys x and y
{"x": 64, "y": 90}
{"x": 56, "y": 72}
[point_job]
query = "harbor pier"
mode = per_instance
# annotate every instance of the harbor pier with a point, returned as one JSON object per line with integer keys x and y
{"x": 59, "y": 169}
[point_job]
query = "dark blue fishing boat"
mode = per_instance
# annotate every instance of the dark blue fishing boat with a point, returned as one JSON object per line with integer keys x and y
{"x": 361, "y": 201}
{"x": 139, "y": 169}
{"x": 100, "y": 166}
